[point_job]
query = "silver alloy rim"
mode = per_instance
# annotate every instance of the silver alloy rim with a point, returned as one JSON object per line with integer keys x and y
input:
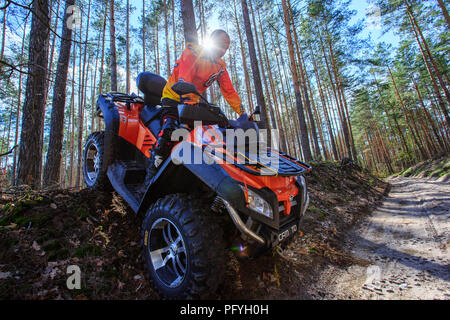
{"x": 167, "y": 252}
{"x": 92, "y": 162}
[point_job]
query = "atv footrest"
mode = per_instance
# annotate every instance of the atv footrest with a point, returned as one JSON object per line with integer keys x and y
{"x": 127, "y": 178}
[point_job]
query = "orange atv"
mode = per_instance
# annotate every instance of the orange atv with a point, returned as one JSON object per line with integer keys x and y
{"x": 205, "y": 197}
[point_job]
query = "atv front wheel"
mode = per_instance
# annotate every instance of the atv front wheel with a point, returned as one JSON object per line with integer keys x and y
{"x": 183, "y": 248}
{"x": 93, "y": 171}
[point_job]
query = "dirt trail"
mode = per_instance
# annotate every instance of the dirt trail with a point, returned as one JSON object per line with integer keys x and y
{"x": 406, "y": 241}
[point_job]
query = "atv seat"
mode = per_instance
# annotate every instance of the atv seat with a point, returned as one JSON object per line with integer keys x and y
{"x": 152, "y": 86}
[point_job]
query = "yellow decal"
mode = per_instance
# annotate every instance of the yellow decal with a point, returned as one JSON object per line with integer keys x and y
{"x": 145, "y": 237}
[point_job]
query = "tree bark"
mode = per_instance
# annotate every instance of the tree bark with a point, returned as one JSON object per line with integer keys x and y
{"x": 426, "y": 51}
{"x": 19, "y": 103}
{"x": 244, "y": 60}
{"x": 444, "y": 12}
{"x": 187, "y": 13}
{"x": 31, "y": 146}
{"x": 269, "y": 113}
{"x": 166, "y": 27}
{"x": 81, "y": 105}
{"x": 143, "y": 34}
{"x": 128, "y": 78}
{"x": 264, "y": 123}
{"x": 427, "y": 114}
{"x": 405, "y": 113}
{"x": 174, "y": 31}
{"x": 2, "y": 50}
{"x": 53, "y": 163}
{"x": 112, "y": 35}
{"x": 304, "y": 89}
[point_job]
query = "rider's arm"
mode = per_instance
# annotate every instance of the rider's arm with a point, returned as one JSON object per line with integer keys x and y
{"x": 229, "y": 93}
{"x": 187, "y": 64}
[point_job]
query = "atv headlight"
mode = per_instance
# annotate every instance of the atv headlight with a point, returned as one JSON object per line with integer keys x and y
{"x": 258, "y": 204}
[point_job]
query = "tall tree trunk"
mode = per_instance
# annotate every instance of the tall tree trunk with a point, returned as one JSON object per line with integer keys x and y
{"x": 81, "y": 105}
{"x": 53, "y": 163}
{"x": 304, "y": 89}
{"x": 397, "y": 126}
{"x": 102, "y": 63}
{"x": 19, "y": 102}
{"x": 324, "y": 106}
{"x": 284, "y": 91}
{"x": 31, "y": 146}
{"x": 143, "y": 34}
{"x": 264, "y": 123}
{"x": 128, "y": 77}
{"x": 244, "y": 60}
{"x": 2, "y": 50}
{"x": 52, "y": 50}
{"x": 188, "y": 15}
{"x": 93, "y": 86}
{"x": 426, "y": 51}
{"x": 174, "y": 31}
{"x": 166, "y": 27}
{"x": 427, "y": 114}
{"x": 112, "y": 35}
{"x": 405, "y": 112}
{"x": 261, "y": 64}
{"x": 444, "y": 12}
{"x": 275, "y": 95}
{"x": 343, "y": 110}
{"x": 158, "y": 62}
{"x": 72, "y": 117}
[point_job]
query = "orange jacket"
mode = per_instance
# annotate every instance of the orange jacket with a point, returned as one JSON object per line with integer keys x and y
{"x": 198, "y": 69}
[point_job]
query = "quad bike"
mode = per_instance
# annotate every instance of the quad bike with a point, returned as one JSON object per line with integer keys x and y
{"x": 194, "y": 212}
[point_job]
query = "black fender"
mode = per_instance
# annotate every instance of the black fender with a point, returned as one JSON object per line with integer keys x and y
{"x": 110, "y": 114}
{"x": 199, "y": 166}
{"x": 179, "y": 172}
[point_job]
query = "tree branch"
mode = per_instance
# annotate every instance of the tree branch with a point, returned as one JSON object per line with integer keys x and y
{"x": 10, "y": 151}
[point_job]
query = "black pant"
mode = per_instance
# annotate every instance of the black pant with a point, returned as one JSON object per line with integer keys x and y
{"x": 169, "y": 123}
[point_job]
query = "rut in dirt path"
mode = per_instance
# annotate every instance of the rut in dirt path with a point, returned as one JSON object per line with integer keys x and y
{"x": 406, "y": 241}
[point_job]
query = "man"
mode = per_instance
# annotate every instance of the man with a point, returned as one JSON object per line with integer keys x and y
{"x": 200, "y": 66}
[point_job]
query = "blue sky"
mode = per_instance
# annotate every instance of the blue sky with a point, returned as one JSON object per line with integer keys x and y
{"x": 373, "y": 29}
{"x": 361, "y": 6}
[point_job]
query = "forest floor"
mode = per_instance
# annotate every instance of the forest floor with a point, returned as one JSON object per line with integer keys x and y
{"x": 41, "y": 234}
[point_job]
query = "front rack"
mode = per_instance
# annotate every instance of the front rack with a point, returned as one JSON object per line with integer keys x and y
{"x": 287, "y": 166}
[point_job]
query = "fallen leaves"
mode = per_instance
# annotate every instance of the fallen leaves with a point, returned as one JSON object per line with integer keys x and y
{"x": 277, "y": 277}
{"x": 81, "y": 297}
